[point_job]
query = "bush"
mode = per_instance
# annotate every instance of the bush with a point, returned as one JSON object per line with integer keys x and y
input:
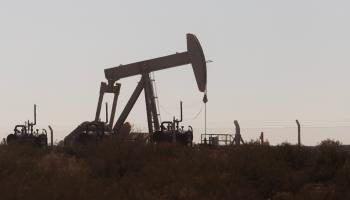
{"x": 120, "y": 169}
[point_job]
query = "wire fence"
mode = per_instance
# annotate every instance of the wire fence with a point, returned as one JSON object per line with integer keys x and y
{"x": 277, "y": 135}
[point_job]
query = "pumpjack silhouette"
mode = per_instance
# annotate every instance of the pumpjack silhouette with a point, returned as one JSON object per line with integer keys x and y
{"x": 167, "y": 131}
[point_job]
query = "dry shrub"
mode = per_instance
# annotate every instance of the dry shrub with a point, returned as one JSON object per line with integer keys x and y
{"x": 118, "y": 168}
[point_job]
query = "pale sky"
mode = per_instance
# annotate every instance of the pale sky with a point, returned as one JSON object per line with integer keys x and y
{"x": 274, "y": 61}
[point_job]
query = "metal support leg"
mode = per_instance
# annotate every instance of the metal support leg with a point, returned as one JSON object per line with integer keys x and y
{"x": 149, "y": 115}
{"x": 148, "y": 102}
{"x": 99, "y": 104}
{"x": 135, "y": 95}
{"x": 114, "y": 106}
{"x": 152, "y": 114}
{"x": 153, "y": 103}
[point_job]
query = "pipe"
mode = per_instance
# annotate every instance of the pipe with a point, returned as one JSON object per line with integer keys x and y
{"x": 30, "y": 127}
{"x": 180, "y": 111}
{"x": 162, "y": 127}
{"x": 20, "y": 131}
{"x": 34, "y": 115}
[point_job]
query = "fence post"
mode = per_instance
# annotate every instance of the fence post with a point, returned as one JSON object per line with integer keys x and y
{"x": 238, "y": 137}
{"x": 299, "y": 143}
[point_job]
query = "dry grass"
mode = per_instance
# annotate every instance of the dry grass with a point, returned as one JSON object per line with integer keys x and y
{"x": 133, "y": 170}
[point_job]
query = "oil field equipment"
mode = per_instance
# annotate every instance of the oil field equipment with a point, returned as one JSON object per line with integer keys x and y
{"x": 97, "y": 129}
{"x": 217, "y": 139}
{"x": 88, "y": 132}
{"x": 26, "y": 134}
{"x": 223, "y": 139}
{"x": 172, "y": 132}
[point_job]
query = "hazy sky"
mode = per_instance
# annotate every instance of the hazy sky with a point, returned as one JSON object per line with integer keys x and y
{"x": 274, "y": 61}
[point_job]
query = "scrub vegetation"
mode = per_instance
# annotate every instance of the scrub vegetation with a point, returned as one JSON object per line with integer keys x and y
{"x": 114, "y": 169}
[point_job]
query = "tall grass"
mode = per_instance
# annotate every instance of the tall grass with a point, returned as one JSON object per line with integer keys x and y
{"x": 120, "y": 169}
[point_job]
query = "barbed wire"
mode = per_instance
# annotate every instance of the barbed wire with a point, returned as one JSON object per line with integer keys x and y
{"x": 285, "y": 127}
{"x": 197, "y": 115}
{"x": 165, "y": 110}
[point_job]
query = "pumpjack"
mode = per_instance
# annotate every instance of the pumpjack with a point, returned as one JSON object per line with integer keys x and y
{"x": 97, "y": 130}
{"x": 26, "y": 134}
